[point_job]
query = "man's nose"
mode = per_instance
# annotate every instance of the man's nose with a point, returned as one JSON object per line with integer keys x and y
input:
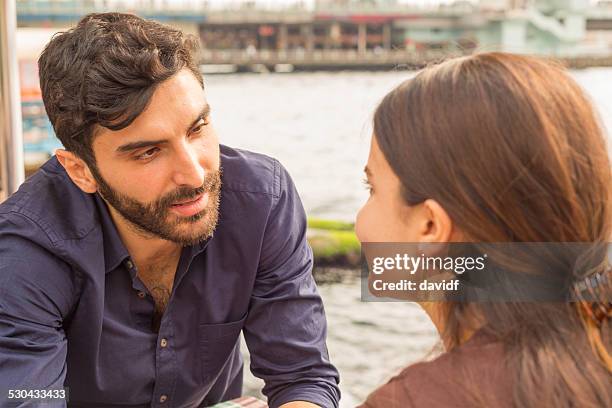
{"x": 188, "y": 170}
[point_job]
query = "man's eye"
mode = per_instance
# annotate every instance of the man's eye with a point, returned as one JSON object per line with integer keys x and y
{"x": 148, "y": 154}
{"x": 201, "y": 126}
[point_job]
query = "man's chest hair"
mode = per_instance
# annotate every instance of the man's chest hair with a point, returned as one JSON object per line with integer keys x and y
{"x": 159, "y": 279}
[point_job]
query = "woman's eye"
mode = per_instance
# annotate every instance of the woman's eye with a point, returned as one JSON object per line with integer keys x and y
{"x": 368, "y": 186}
{"x": 148, "y": 154}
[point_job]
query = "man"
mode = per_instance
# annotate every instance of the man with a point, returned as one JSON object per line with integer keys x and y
{"x": 131, "y": 262}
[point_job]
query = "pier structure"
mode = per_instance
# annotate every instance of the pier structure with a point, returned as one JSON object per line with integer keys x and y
{"x": 360, "y": 32}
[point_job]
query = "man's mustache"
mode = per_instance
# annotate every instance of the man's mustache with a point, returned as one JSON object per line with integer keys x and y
{"x": 212, "y": 183}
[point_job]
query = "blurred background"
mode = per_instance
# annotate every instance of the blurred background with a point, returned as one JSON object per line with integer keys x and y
{"x": 299, "y": 80}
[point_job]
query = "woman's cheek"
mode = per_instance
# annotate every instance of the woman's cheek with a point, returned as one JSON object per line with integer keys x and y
{"x": 366, "y": 222}
{"x": 359, "y": 229}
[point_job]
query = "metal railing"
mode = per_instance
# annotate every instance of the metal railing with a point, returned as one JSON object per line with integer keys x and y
{"x": 299, "y": 56}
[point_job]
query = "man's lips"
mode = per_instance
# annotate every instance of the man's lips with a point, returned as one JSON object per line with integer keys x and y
{"x": 192, "y": 206}
{"x": 192, "y": 200}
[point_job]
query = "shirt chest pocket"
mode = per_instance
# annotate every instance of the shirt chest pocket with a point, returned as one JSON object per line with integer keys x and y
{"x": 216, "y": 342}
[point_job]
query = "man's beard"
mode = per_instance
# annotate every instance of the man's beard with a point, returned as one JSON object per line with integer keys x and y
{"x": 152, "y": 218}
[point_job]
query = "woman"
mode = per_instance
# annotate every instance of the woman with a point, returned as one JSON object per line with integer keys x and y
{"x": 497, "y": 148}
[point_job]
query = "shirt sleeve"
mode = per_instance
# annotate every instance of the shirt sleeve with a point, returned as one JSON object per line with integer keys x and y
{"x": 286, "y": 327}
{"x": 36, "y": 294}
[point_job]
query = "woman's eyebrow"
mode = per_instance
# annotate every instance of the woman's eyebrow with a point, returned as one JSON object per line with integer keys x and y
{"x": 367, "y": 171}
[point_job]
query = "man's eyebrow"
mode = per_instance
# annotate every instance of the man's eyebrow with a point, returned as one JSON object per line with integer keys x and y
{"x": 146, "y": 143}
{"x": 203, "y": 114}
{"x": 139, "y": 145}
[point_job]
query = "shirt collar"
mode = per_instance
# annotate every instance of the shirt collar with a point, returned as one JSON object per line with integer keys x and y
{"x": 114, "y": 250}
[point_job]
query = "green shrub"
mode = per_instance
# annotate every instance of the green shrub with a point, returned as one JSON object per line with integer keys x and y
{"x": 333, "y": 243}
{"x": 318, "y": 223}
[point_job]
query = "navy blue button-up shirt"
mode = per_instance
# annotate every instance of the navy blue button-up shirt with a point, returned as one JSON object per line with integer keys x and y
{"x": 73, "y": 312}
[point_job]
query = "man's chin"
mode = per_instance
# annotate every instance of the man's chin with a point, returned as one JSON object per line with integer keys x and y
{"x": 189, "y": 221}
{"x": 194, "y": 229}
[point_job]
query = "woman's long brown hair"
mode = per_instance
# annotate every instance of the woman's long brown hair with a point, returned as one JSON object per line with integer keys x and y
{"x": 512, "y": 149}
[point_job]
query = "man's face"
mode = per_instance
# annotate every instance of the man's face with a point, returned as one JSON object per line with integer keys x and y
{"x": 162, "y": 173}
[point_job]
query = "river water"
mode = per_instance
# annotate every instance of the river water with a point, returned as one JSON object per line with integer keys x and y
{"x": 318, "y": 126}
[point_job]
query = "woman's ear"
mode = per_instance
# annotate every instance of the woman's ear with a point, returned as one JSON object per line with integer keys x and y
{"x": 78, "y": 170}
{"x": 437, "y": 226}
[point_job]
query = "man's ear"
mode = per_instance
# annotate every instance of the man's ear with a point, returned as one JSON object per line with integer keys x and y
{"x": 78, "y": 170}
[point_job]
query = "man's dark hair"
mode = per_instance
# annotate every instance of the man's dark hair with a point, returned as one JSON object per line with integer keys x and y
{"x": 104, "y": 71}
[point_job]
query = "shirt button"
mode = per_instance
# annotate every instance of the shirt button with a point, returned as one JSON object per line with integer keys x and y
{"x": 163, "y": 342}
{"x": 129, "y": 264}
{"x": 142, "y": 295}
{"x": 163, "y": 398}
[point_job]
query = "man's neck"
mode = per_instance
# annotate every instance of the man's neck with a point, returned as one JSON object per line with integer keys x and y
{"x": 145, "y": 250}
